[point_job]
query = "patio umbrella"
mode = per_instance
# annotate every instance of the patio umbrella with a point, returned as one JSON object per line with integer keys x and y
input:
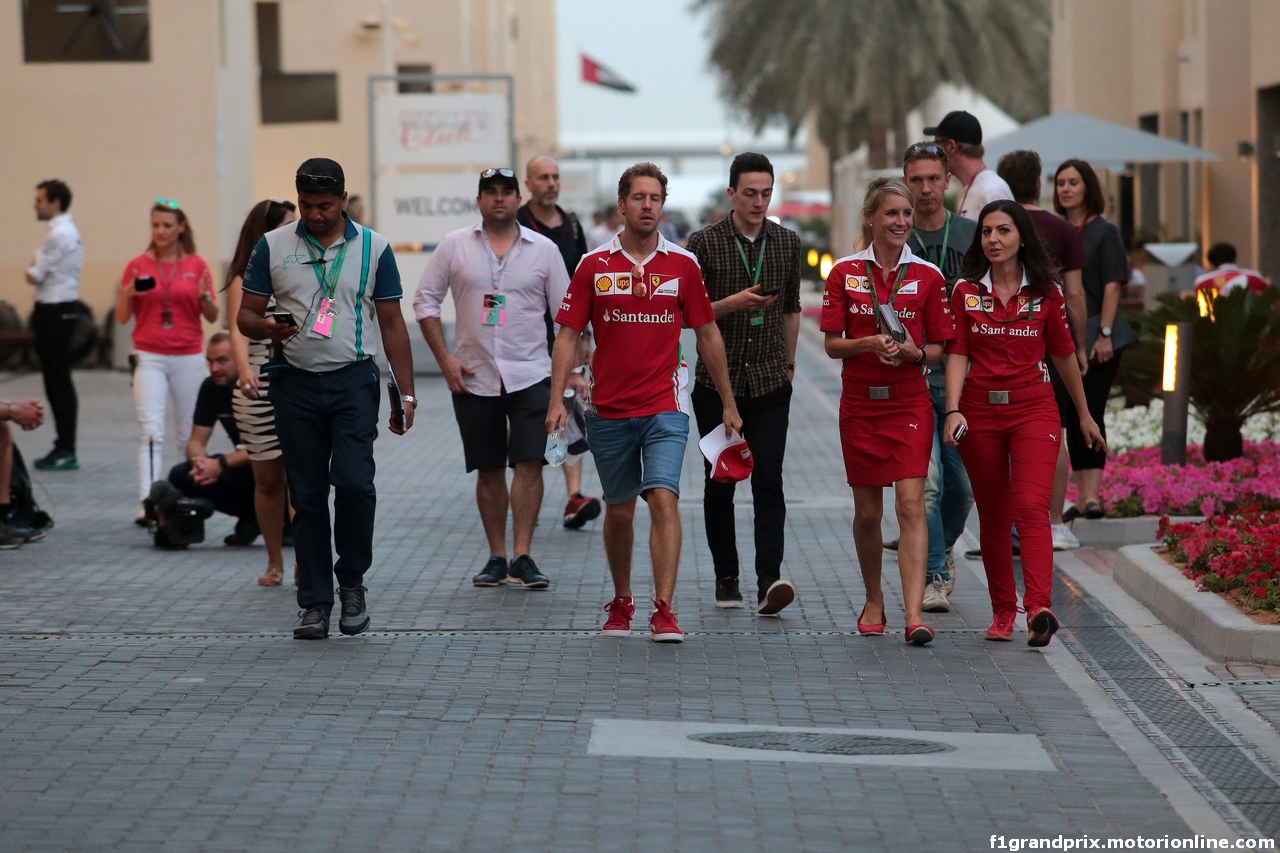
{"x": 1102, "y": 144}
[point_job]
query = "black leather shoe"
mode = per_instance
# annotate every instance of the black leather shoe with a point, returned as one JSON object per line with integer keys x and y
{"x": 313, "y": 624}
{"x": 494, "y": 573}
{"x": 891, "y": 547}
{"x": 245, "y": 533}
{"x": 727, "y": 593}
{"x": 779, "y": 594}
{"x": 524, "y": 572}
{"x": 355, "y": 616}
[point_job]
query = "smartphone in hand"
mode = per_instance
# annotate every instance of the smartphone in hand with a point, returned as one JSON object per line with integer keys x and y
{"x": 959, "y": 433}
{"x": 284, "y": 318}
{"x": 143, "y": 283}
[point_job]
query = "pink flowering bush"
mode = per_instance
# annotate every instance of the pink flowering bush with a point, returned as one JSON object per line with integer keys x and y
{"x": 1238, "y": 550}
{"x": 1135, "y": 483}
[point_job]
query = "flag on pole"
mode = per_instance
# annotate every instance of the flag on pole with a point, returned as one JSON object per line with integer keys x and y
{"x": 594, "y": 72}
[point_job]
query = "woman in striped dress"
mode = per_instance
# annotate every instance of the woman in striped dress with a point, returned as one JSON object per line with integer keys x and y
{"x": 255, "y": 416}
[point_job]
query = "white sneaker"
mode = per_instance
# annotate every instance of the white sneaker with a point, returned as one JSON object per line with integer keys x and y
{"x": 1063, "y": 538}
{"x": 935, "y": 596}
{"x": 950, "y": 566}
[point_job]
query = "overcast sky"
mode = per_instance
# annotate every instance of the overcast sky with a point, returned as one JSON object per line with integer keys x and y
{"x": 658, "y": 46}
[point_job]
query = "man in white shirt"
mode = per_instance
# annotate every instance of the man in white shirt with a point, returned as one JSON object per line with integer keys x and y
{"x": 504, "y": 278}
{"x": 55, "y": 273}
{"x": 960, "y": 135}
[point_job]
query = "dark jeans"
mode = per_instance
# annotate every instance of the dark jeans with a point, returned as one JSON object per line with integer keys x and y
{"x": 764, "y": 426}
{"x": 1097, "y": 388}
{"x": 53, "y": 324}
{"x": 326, "y": 423}
{"x": 231, "y": 493}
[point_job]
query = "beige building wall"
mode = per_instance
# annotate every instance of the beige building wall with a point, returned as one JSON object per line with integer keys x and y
{"x": 122, "y": 134}
{"x": 514, "y": 37}
{"x": 187, "y": 124}
{"x": 1123, "y": 60}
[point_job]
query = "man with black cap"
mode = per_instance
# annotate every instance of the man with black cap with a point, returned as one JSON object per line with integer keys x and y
{"x": 504, "y": 278}
{"x": 960, "y": 135}
{"x": 332, "y": 280}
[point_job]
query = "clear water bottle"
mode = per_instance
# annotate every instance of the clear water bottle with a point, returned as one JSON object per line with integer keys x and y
{"x": 557, "y": 447}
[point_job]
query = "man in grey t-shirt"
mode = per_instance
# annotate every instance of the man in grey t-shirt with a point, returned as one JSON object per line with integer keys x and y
{"x": 942, "y": 238}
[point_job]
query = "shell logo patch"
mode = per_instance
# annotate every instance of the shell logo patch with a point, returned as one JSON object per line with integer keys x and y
{"x": 622, "y": 281}
{"x": 856, "y": 284}
{"x": 604, "y": 284}
{"x": 971, "y": 303}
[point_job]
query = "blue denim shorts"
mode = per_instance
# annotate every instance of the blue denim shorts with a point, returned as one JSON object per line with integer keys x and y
{"x": 634, "y": 455}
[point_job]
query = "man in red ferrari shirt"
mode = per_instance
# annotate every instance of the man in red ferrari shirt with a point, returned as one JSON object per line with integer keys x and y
{"x": 636, "y": 292}
{"x": 1225, "y": 276}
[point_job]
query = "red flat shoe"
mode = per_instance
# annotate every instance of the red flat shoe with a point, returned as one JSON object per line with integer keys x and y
{"x": 869, "y": 630}
{"x": 1041, "y": 626}
{"x": 1001, "y": 629}
{"x": 919, "y": 635}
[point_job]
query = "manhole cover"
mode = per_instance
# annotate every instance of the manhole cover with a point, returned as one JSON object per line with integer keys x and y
{"x": 824, "y": 744}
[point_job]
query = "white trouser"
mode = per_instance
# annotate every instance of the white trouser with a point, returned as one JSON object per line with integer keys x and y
{"x": 158, "y": 378}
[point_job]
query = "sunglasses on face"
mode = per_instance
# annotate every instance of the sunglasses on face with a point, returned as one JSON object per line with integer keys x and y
{"x": 323, "y": 182}
{"x": 171, "y": 203}
{"x": 493, "y": 173}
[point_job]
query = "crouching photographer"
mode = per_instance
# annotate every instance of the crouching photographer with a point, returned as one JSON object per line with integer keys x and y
{"x": 225, "y": 481}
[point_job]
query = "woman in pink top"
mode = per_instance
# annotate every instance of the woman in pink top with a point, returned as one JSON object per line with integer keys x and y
{"x": 167, "y": 290}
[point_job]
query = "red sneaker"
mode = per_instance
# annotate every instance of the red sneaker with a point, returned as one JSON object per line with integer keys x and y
{"x": 1001, "y": 628}
{"x": 1041, "y": 626}
{"x": 663, "y": 624}
{"x": 620, "y": 611}
{"x": 579, "y": 510}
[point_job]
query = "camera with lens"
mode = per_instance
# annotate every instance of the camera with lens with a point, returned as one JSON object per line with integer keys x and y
{"x": 177, "y": 521}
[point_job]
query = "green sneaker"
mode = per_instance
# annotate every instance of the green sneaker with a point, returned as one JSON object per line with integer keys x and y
{"x": 58, "y": 460}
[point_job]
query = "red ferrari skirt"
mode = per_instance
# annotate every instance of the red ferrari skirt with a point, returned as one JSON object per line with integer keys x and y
{"x": 885, "y": 440}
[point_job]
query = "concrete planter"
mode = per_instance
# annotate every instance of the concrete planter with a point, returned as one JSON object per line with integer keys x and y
{"x": 1210, "y": 624}
{"x": 1119, "y": 532}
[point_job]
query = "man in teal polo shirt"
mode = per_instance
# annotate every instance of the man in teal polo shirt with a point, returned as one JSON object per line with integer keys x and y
{"x": 336, "y": 279}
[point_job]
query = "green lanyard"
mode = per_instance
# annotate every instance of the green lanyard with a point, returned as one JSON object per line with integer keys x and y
{"x": 897, "y": 285}
{"x": 753, "y": 276}
{"x": 942, "y": 252}
{"x": 329, "y": 282}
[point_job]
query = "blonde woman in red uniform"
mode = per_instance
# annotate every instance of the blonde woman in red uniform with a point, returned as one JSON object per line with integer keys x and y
{"x": 885, "y": 411}
{"x": 1009, "y": 310}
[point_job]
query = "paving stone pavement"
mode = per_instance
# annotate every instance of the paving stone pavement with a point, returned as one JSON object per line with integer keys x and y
{"x": 154, "y": 700}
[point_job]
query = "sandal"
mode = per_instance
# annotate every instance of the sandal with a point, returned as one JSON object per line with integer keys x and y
{"x": 1070, "y": 514}
{"x": 273, "y": 576}
{"x": 1094, "y": 510}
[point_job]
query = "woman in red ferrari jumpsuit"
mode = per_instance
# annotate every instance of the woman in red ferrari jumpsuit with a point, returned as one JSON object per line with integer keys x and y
{"x": 885, "y": 411}
{"x": 1009, "y": 312}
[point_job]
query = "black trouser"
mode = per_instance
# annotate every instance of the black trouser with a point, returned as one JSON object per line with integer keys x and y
{"x": 1097, "y": 389}
{"x": 326, "y": 423}
{"x": 231, "y": 493}
{"x": 53, "y": 324}
{"x": 764, "y": 426}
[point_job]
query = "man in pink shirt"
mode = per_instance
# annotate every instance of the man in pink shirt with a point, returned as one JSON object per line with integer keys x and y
{"x": 504, "y": 279}
{"x": 636, "y": 292}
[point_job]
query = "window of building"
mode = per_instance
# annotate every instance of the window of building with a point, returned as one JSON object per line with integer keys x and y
{"x": 106, "y": 31}
{"x": 1149, "y": 184}
{"x": 290, "y": 98}
{"x": 407, "y": 87}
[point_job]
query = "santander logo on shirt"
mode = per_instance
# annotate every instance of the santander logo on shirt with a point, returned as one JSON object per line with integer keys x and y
{"x": 617, "y": 315}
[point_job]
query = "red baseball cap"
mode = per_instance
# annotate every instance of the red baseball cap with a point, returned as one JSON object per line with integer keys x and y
{"x": 729, "y": 456}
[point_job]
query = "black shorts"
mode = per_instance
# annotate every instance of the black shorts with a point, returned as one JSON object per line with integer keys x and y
{"x": 498, "y": 432}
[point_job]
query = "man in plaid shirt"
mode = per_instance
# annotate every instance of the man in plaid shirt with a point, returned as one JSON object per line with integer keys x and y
{"x": 751, "y": 268}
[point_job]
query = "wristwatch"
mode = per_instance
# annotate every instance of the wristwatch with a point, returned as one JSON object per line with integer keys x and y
{"x": 409, "y": 398}
{"x": 1105, "y": 331}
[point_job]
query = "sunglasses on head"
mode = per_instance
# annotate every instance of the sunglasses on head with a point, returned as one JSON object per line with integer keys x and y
{"x": 493, "y": 173}
{"x": 324, "y": 182}
{"x": 171, "y": 203}
{"x": 925, "y": 148}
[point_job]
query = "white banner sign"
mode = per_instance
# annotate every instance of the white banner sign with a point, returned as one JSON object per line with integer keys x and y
{"x": 441, "y": 130}
{"x": 424, "y": 208}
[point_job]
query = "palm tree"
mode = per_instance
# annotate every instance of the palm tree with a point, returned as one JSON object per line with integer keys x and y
{"x": 1235, "y": 362}
{"x": 859, "y": 66}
